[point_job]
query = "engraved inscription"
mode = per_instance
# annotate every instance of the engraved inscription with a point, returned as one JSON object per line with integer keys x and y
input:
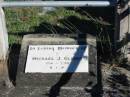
{"x": 57, "y": 59}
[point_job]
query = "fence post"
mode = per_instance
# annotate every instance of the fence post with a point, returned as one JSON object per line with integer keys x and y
{"x": 3, "y": 36}
{"x": 4, "y": 75}
{"x": 128, "y": 55}
{"x": 124, "y": 28}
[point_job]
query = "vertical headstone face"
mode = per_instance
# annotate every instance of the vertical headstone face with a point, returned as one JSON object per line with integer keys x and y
{"x": 46, "y": 60}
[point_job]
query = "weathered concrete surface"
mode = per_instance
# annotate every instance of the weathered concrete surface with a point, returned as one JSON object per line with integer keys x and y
{"x": 124, "y": 21}
{"x": 57, "y": 81}
{"x": 3, "y": 36}
{"x": 116, "y": 84}
{"x": 129, "y": 35}
{"x": 43, "y": 92}
{"x": 124, "y": 29}
{"x": 4, "y": 50}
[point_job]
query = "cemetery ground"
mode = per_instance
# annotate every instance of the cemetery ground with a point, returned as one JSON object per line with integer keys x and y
{"x": 114, "y": 70}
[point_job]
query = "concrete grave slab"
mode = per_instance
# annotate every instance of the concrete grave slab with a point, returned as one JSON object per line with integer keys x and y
{"x": 58, "y": 80}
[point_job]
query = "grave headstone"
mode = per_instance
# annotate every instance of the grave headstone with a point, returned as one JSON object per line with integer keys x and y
{"x": 56, "y": 61}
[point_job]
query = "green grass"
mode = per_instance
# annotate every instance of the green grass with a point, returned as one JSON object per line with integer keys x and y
{"x": 25, "y": 20}
{"x": 22, "y": 21}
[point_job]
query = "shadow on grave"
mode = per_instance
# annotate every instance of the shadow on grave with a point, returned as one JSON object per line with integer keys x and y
{"x": 104, "y": 21}
{"x": 55, "y": 90}
{"x": 81, "y": 27}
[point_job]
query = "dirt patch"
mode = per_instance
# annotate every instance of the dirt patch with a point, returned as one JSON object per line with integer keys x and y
{"x": 116, "y": 80}
{"x": 1, "y": 68}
